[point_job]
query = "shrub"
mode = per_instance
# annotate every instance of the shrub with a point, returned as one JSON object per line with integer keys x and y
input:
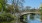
{"x": 6, "y": 17}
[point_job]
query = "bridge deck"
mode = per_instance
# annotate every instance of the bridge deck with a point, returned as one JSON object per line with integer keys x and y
{"x": 30, "y": 12}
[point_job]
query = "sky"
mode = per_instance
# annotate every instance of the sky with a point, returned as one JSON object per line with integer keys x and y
{"x": 9, "y": 1}
{"x": 32, "y": 3}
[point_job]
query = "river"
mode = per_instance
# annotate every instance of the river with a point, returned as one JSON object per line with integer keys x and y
{"x": 35, "y": 20}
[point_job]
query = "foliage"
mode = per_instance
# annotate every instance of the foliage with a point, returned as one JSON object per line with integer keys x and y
{"x": 6, "y": 17}
{"x": 41, "y": 10}
{"x": 28, "y": 8}
{"x": 0, "y": 6}
{"x": 25, "y": 18}
{"x": 18, "y": 3}
{"x": 32, "y": 16}
{"x": 10, "y": 8}
{"x": 2, "y": 1}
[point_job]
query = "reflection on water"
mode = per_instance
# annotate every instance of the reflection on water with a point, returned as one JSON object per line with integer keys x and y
{"x": 13, "y": 21}
{"x": 8, "y": 22}
{"x": 35, "y": 20}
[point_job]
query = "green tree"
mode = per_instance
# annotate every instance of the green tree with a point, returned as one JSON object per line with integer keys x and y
{"x": 2, "y": 4}
{"x": 28, "y": 8}
{"x": 41, "y": 11}
{"x": 17, "y": 3}
{"x": 5, "y": 16}
{"x": 10, "y": 9}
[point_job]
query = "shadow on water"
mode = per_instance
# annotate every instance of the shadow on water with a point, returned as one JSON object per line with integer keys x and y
{"x": 30, "y": 18}
{"x": 8, "y": 21}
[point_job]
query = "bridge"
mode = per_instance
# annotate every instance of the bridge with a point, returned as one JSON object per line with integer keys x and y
{"x": 30, "y": 12}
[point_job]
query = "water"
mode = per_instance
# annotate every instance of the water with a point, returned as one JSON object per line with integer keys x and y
{"x": 13, "y": 21}
{"x": 9, "y": 22}
{"x": 35, "y": 20}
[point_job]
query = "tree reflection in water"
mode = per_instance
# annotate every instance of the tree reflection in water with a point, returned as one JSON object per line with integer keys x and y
{"x": 36, "y": 19}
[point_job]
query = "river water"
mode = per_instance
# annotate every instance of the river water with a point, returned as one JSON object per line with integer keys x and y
{"x": 35, "y": 20}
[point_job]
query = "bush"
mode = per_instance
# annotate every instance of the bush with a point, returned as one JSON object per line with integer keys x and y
{"x": 6, "y": 17}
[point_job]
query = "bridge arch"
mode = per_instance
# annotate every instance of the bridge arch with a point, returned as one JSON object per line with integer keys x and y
{"x": 34, "y": 13}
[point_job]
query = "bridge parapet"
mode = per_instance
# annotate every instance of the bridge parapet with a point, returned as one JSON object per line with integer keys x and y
{"x": 29, "y": 13}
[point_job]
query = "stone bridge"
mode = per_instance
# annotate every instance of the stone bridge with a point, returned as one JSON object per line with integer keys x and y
{"x": 29, "y": 13}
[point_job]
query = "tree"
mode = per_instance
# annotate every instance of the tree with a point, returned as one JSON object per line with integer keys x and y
{"x": 10, "y": 9}
{"x": 2, "y": 4}
{"x": 5, "y": 17}
{"x": 41, "y": 11}
{"x": 33, "y": 10}
{"x": 32, "y": 16}
{"x": 28, "y": 8}
{"x": 17, "y": 3}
